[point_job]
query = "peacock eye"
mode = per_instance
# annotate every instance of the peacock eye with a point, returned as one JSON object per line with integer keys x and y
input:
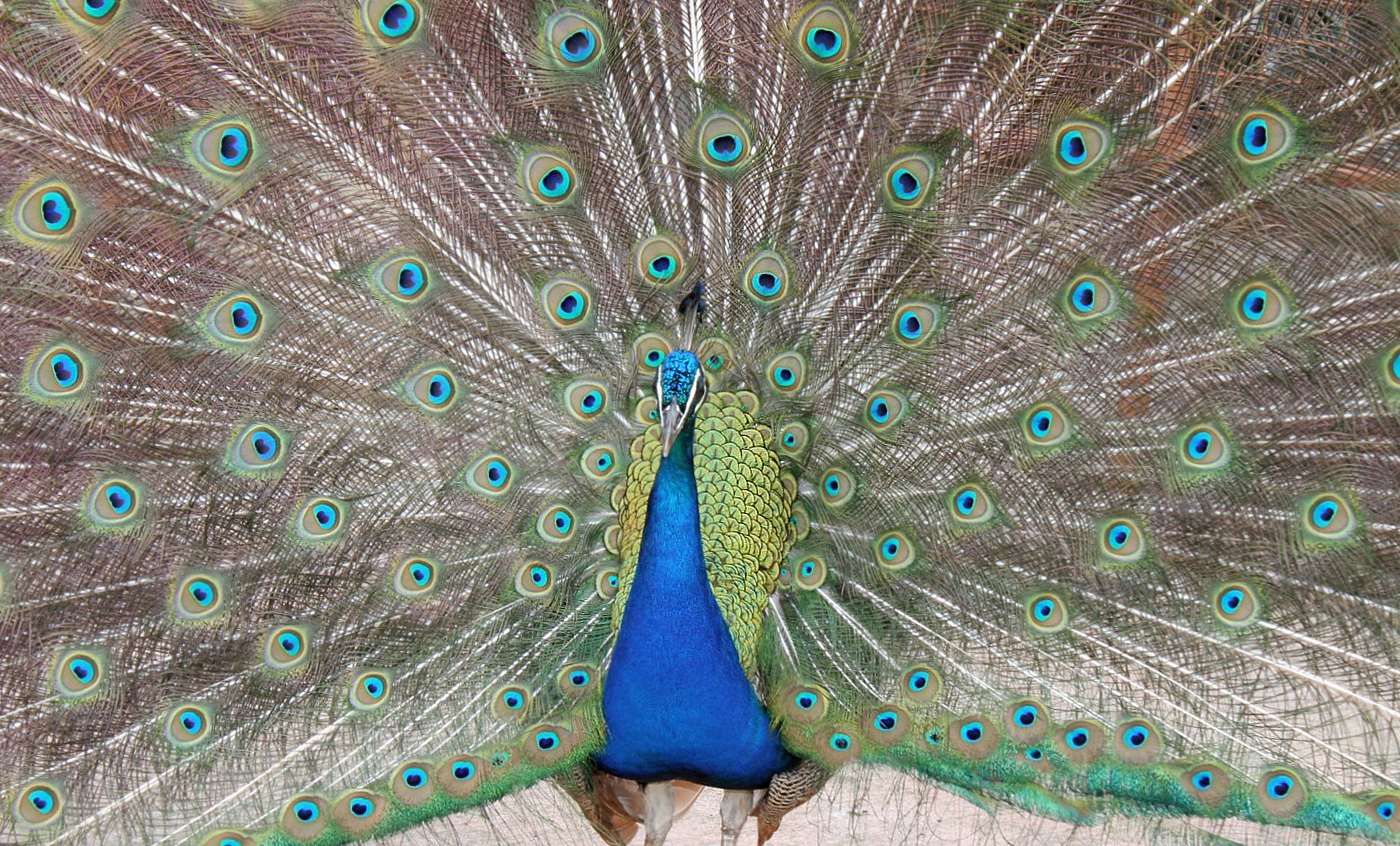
{"x": 575, "y": 41}
{"x": 724, "y": 143}
{"x": 822, "y": 36}
{"x": 908, "y": 181}
{"x": 1079, "y": 145}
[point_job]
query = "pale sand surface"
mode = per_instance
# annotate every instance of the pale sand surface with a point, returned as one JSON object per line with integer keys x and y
{"x": 874, "y": 808}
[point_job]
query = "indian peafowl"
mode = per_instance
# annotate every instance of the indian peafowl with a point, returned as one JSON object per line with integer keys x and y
{"x": 1003, "y": 393}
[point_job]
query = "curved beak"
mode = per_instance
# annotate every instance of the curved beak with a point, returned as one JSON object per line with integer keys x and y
{"x": 672, "y": 421}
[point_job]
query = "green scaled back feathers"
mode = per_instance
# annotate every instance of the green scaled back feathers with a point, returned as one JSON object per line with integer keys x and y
{"x": 1051, "y": 455}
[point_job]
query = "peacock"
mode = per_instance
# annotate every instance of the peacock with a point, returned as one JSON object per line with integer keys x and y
{"x": 407, "y": 403}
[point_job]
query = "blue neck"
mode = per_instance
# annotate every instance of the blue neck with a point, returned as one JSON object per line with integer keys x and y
{"x": 676, "y": 701}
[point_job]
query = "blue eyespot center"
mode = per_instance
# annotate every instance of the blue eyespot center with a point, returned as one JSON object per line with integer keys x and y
{"x": 1136, "y": 737}
{"x": 56, "y": 210}
{"x": 65, "y": 370}
{"x": 910, "y": 326}
{"x": 411, "y": 279}
{"x": 1083, "y": 297}
{"x": 1255, "y": 137}
{"x": 579, "y": 46}
{"x": 1079, "y": 738}
{"x": 1385, "y": 810}
{"x": 290, "y": 643}
{"x": 306, "y": 811}
{"x": 767, "y": 284}
{"x": 1254, "y": 304}
{"x": 546, "y": 740}
{"x": 1044, "y": 609}
{"x": 1203, "y": 780}
{"x": 415, "y": 776}
{"x": 840, "y": 742}
{"x": 463, "y": 770}
{"x": 1232, "y": 599}
{"x": 1324, "y": 513}
{"x": 972, "y": 732}
{"x": 82, "y": 669}
{"x": 662, "y": 267}
{"x": 906, "y": 186}
{"x": 555, "y": 182}
{"x": 1118, "y": 536}
{"x": 244, "y": 317}
{"x": 1072, "y": 147}
{"x": 1200, "y": 444}
{"x": 967, "y": 501}
{"x": 233, "y": 147}
{"x": 918, "y": 681}
{"x": 824, "y": 43}
{"x": 806, "y": 701}
{"x": 120, "y": 497}
{"x": 725, "y": 148}
{"x": 1026, "y": 715}
{"x": 397, "y": 20}
{"x": 886, "y": 720}
{"x": 420, "y": 573}
{"x": 201, "y": 591}
{"x": 1280, "y": 786}
{"x": 361, "y": 807}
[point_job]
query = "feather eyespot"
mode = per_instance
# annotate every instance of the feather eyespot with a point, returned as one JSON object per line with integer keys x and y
{"x": 47, "y": 213}
{"x": 79, "y": 673}
{"x": 823, "y": 36}
{"x": 1281, "y": 793}
{"x": 534, "y": 580}
{"x": 61, "y": 373}
{"x": 605, "y": 583}
{"x": 970, "y": 505}
{"x": 188, "y": 725}
{"x": 974, "y": 737}
{"x": 575, "y": 41}
{"x": 1082, "y": 741}
{"x": 224, "y": 149}
{"x": 415, "y": 577}
{"x": 915, "y": 324}
{"x": 115, "y": 503}
{"x": 1046, "y": 612}
{"x": 838, "y": 487}
{"x": 1235, "y": 604}
{"x": 237, "y": 322}
{"x": 1263, "y": 136}
{"x": 511, "y": 702}
{"x": 1203, "y": 447}
{"x": 599, "y": 462}
{"x": 650, "y": 351}
{"x": 1088, "y": 297}
{"x": 556, "y": 524}
{"x": 894, "y": 551}
{"x": 287, "y": 647}
{"x": 1385, "y": 809}
{"x": 411, "y": 783}
{"x": 548, "y": 178}
{"x": 766, "y": 279}
{"x": 459, "y": 777}
{"x": 1260, "y": 306}
{"x": 1046, "y": 425}
{"x": 1138, "y": 742}
{"x": 1328, "y": 517}
{"x": 92, "y": 14}
{"x": 908, "y": 181}
{"x": 577, "y": 680}
{"x": 199, "y": 596}
{"x": 1079, "y": 145}
{"x": 38, "y": 805}
{"x": 586, "y": 400}
{"x": 1208, "y": 784}
{"x": 391, "y": 22}
{"x": 787, "y": 373}
{"x": 305, "y": 818}
{"x": 321, "y": 519}
{"x": 491, "y": 475}
{"x": 884, "y": 411}
{"x": 369, "y": 690}
{"x": 921, "y": 684}
{"x": 1121, "y": 541}
{"x": 359, "y": 812}
{"x": 810, "y": 572}
{"x": 723, "y": 142}
{"x": 1027, "y": 721}
{"x": 433, "y": 389}
{"x": 661, "y": 260}
{"x": 566, "y": 304}
{"x": 256, "y": 449}
{"x": 402, "y": 280}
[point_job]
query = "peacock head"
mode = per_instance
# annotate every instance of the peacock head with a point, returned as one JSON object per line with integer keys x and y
{"x": 680, "y": 388}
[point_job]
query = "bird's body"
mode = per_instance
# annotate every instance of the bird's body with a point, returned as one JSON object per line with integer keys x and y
{"x": 411, "y": 403}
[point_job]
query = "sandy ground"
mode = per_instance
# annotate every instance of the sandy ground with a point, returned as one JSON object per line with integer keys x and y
{"x": 868, "y": 809}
